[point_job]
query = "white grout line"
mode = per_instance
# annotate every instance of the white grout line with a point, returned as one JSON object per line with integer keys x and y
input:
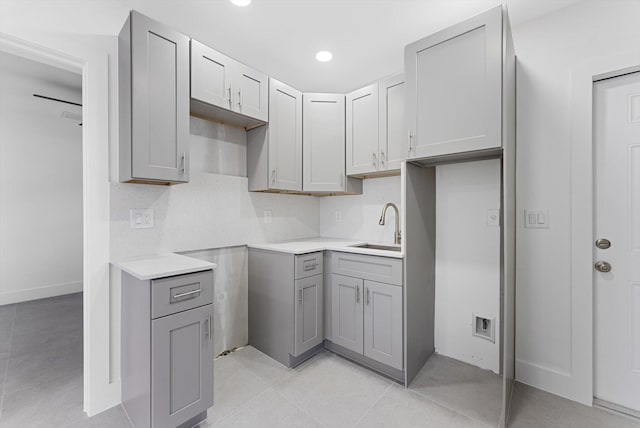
{"x": 300, "y": 409}
{"x": 6, "y": 372}
{"x": 370, "y": 408}
{"x": 456, "y": 411}
{"x": 293, "y": 372}
{"x": 240, "y": 407}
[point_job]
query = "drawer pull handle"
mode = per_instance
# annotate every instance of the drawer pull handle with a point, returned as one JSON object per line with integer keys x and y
{"x": 188, "y": 293}
{"x": 308, "y": 267}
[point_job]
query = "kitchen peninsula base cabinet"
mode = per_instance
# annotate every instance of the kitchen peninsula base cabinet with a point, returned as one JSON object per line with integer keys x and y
{"x": 167, "y": 349}
{"x": 286, "y": 304}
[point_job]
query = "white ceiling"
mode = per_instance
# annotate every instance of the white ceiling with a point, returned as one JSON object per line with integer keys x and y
{"x": 281, "y": 37}
{"x": 367, "y": 37}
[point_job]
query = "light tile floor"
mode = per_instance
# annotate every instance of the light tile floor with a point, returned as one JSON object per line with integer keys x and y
{"x": 41, "y": 386}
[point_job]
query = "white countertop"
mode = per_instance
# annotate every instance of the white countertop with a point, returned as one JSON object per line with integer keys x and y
{"x": 162, "y": 265}
{"x": 310, "y": 245}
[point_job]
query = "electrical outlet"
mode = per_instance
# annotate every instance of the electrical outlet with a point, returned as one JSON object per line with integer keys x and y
{"x": 267, "y": 216}
{"x": 141, "y": 218}
{"x": 338, "y": 216}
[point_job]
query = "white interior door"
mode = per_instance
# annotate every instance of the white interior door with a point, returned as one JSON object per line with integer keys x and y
{"x": 617, "y": 218}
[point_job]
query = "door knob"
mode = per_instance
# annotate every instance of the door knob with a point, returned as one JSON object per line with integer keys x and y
{"x": 603, "y": 266}
{"x": 603, "y": 243}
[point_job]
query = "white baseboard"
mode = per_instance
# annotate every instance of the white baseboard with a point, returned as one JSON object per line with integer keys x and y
{"x": 9, "y": 297}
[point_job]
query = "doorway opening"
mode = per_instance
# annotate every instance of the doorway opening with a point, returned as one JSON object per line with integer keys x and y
{"x": 41, "y": 250}
{"x": 616, "y": 243}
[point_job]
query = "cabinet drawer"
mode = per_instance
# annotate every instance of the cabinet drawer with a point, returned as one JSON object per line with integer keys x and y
{"x": 308, "y": 264}
{"x": 382, "y": 269}
{"x": 179, "y": 293}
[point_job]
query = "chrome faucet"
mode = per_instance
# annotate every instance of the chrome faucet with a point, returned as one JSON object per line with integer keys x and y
{"x": 396, "y": 236}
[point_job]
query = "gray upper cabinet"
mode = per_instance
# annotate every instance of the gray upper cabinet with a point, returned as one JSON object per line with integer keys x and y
{"x": 225, "y": 89}
{"x": 363, "y": 155}
{"x": 153, "y": 70}
{"x": 274, "y": 152}
{"x": 454, "y": 88}
{"x": 211, "y": 76}
{"x": 182, "y": 369}
{"x": 383, "y": 323}
{"x": 346, "y": 312}
{"x": 309, "y": 322}
{"x": 252, "y": 92}
{"x": 323, "y": 143}
{"x": 376, "y": 128}
{"x": 392, "y": 126}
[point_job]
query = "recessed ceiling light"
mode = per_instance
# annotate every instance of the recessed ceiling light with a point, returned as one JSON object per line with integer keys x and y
{"x": 241, "y": 3}
{"x": 324, "y": 56}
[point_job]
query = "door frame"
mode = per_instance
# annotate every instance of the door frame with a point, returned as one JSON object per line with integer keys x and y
{"x": 100, "y": 393}
{"x": 578, "y": 383}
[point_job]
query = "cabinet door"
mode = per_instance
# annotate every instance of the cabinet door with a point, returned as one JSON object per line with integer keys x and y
{"x": 323, "y": 143}
{"x": 362, "y": 130}
{"x": 251, "y": 92}
{"x": 285, "y": 137}
{"x": 454, "y": 81}
{"x": 181, "y": 366}
{"x": 160, "y": 101}
{"x": 393, "y": 128}
{"x": 309, "y": 313}
{"x": 211, "y": 76}
{"x": 346, "y": 312}
{"x": 383, "y": 323}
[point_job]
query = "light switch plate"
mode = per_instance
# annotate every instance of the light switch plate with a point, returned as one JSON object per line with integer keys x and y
{"x": 338, "y": 216}
{"x": 267, "y": 216}
{"x": 536, "y": 219}
{"x": 141, "y": 218}
{"x": 493, "y": 217}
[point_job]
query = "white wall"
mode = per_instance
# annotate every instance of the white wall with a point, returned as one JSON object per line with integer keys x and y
{"x": 549, "y": 50}
{"x": 214, "y": 209}
{"x": 467, "y": 260}
{"x": 40, "y": 183}
{"x": 467, "y": 253}
{"x": 210, "y": 213}
{"x": 360, "y": 213}
{"x": 230, "y": 326}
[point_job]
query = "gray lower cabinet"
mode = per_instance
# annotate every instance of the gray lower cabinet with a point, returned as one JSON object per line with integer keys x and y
{"x": 153, "y": 73}
{"x": 286, "y": 304}
{"x": 383, "y": 323}
{"x": 346, "y": 312}
{"x": 309, "y": 310}
{"x": 366, "y": 314}
{"x": 167, "y": 349}
{"x": 182, "y": 366}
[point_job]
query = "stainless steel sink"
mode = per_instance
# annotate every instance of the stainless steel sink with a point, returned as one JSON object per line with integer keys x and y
{"x": 380, "y": 247}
